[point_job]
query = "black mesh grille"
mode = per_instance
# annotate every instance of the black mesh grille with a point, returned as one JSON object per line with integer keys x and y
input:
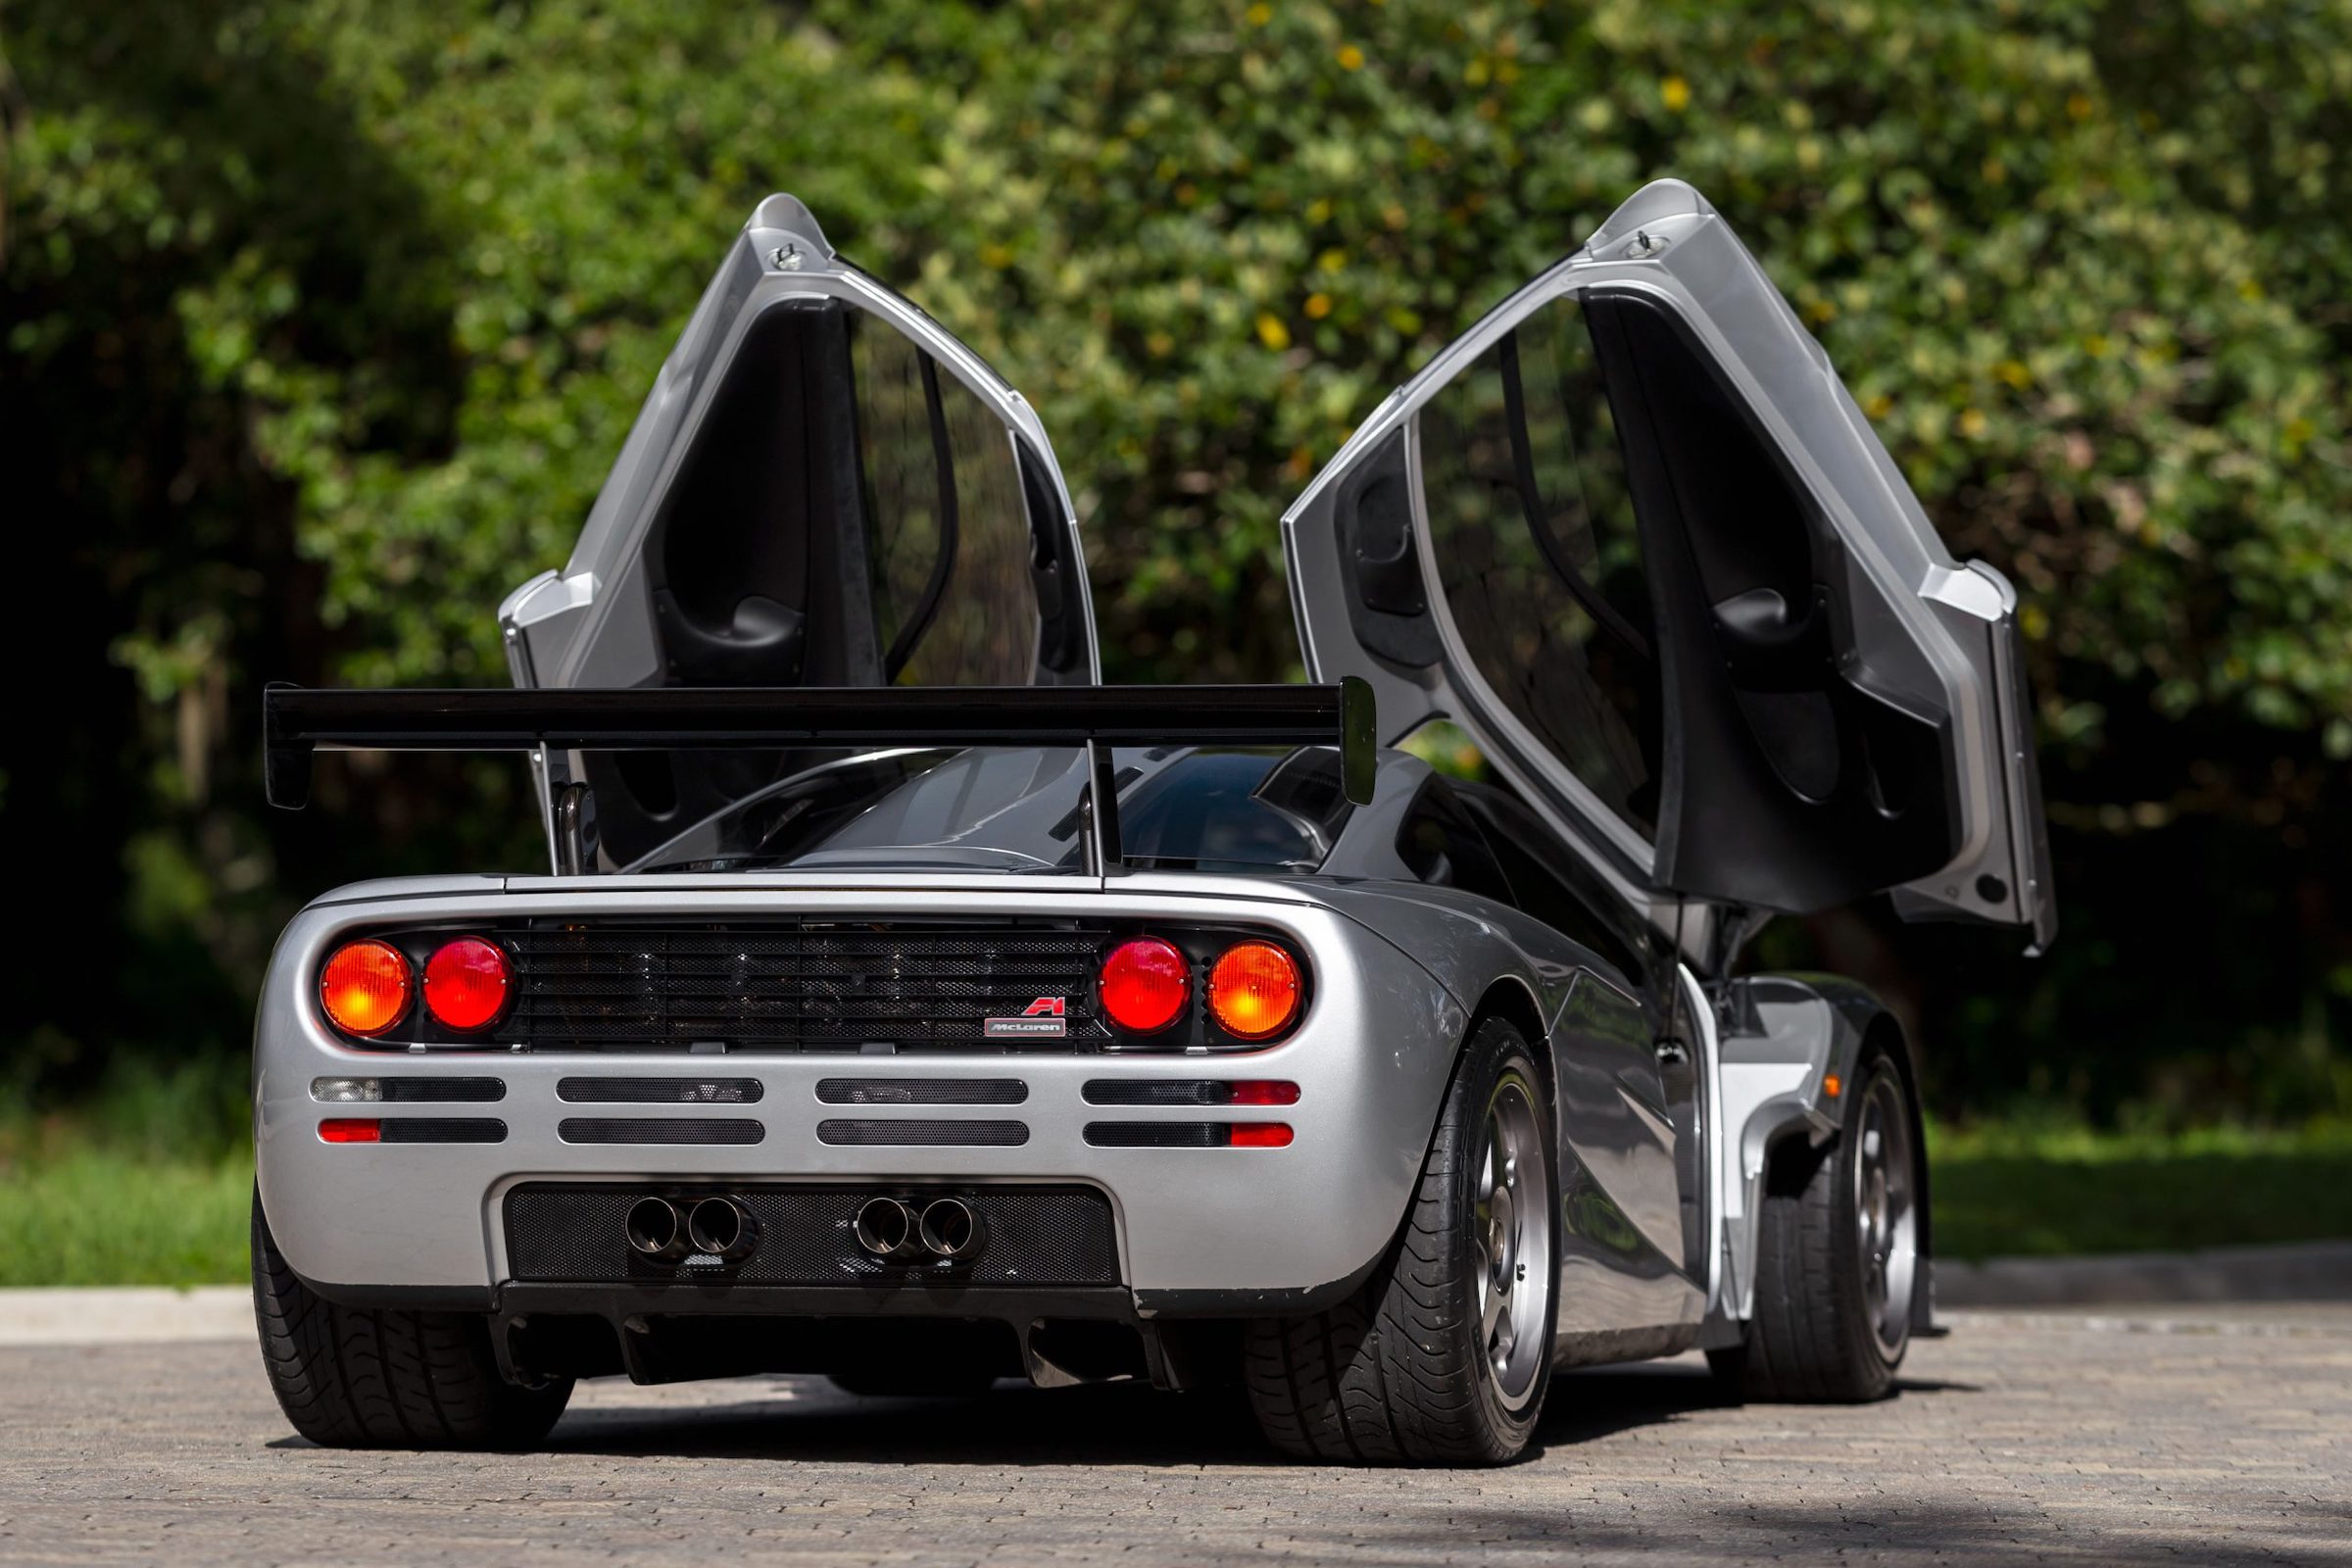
{"x": 425, "y": 1091}
{"x": 925, "y": 1134}
{"x": 442, "y": 1130}
{"x": 922, "y": 1091}
{"x": 571, "y": 1233}
{"x": 650, "y": 1130}
{"x": 814, "y": 986}
{"x": 660, "y": 1091}
{"x": 1158, "y": 1092}
{"x": 1158, "y": 1134}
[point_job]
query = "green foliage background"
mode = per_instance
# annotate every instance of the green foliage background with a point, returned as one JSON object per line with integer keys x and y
{"x": 322, "y": 320}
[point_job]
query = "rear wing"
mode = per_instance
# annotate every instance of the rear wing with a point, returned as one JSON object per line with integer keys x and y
{"x": 298, "y": 721}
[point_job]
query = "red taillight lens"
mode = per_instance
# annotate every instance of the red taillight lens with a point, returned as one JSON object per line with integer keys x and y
{"x": 465, "y": 983}
{"x": 351, "y": 1129}
{"x": 1254, "y": 990}
{"x": 1260, "y": 1135}
{"x": 1261, "y": 1091}
{"x": 1144, "y": 983}
{"x": 366, "y": 987}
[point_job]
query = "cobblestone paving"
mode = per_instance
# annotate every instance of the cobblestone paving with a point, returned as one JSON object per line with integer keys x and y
{"x": 2219, "y": 1438}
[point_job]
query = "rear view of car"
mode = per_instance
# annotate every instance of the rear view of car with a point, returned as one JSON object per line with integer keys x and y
{"x": 903, "y": 1005}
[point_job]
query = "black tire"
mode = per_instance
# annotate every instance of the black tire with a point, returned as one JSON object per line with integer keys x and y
{"x": 1400, "y": 1373}
{"x": 354, "y": 1378}
{"x": 1826, "y": 1330}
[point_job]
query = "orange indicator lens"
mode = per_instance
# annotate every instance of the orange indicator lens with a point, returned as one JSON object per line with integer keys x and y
{"x": 366, "y": 987}
{"x": 1254, "y": 990}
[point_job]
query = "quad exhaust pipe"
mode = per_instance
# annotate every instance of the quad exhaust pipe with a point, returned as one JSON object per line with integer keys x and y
{"x": 896, "y": 1231}
{"x": 662, "y": 1231}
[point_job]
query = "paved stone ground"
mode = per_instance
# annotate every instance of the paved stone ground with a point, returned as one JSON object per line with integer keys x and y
{"x": 2210, "y": 1436}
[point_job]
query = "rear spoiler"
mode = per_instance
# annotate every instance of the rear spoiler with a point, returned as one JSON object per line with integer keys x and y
{"x": 297, "y": 722}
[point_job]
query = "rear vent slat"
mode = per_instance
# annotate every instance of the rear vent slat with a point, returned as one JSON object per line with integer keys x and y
{"x": 922, "y": 1091}
{"x": 442, "y": 1130}
{"x": 912, "y": 1133}
{"x": 682, "y": 1130}
{"x": 1157, "y": 1134}
{"x": 660, "y": 1091}
{"x": 441, "y": 1090}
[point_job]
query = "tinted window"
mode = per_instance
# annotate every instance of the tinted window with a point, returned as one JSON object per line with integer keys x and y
{"x": 1236, "y": 810}
{"x": 1015, "y": 808}
{"x": 949, "y": 532}
{"x": 1442, "y": 846}
{"x": 1538, "y": 866}
{"x": 1535, "y": 549}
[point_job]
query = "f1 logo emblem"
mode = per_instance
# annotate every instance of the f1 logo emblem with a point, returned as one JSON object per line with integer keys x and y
{"x": 1046, "y": 1007}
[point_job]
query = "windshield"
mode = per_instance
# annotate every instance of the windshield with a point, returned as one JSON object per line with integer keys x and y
{"x": 1015, "y": 808}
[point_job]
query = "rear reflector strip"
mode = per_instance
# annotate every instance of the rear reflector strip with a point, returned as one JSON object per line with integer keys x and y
{"x": 683, "y": 1130}
{"x": 660, "y": 1091}
{"x": 1188, "y": 1134}
{"x": 1188, "y": 1092}
{"x": 922, "y": 1091}
{"x": 925, "y": 1134}
{"x": 413, "y": 1130}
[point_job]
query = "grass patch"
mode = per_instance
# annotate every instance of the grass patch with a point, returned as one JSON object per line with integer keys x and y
{"x": 2006, "y": 1191}
{"x": 164, "y": 1222}
{"x": 164, "y": 1155}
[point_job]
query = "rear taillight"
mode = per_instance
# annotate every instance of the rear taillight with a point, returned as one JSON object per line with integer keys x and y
{"x": 466, "y": 984}
{"x": 366, "y": 987}
{"x": 1144, "y": 984}
{"x": 351, "y": 1129}
{"x": 1254, "y": 990}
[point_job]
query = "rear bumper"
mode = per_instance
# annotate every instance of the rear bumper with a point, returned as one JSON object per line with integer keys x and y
{"x": 1218, "y": 1230}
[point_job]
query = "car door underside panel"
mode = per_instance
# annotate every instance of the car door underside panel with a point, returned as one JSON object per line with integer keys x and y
{"x": 1794, "y": 778}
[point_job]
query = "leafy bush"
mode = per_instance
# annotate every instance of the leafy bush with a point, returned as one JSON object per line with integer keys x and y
{"x": 326, "y": 321}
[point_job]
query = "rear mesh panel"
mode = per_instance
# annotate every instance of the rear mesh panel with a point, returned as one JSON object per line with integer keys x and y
{"x": 1158, "y": 1134}
{"x": 427, "y": 1091}
{"x": 571, "y": 1233}
{"x": 814, "y": 985}
{"x": 660, "y": 1091}
{"x": 922, "y": 1091}
{"x": 925, "y": 1134}
{"x": 439, "y": 1130}
{"x": 669, "y": 1130}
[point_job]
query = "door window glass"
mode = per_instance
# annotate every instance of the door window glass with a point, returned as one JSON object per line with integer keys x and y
{"x": 1442, "y": 846}
{"x": 949, "y": 531}
{"x": 1534, "y": 547}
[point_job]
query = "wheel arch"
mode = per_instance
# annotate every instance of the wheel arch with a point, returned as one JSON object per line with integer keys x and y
{"x": 1785, "y": 1037}
{"x": 1508, "y": 998}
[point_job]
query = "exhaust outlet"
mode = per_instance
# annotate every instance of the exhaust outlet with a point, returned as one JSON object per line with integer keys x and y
{"x": 722, "y": 1227}
{"x": 949, "y": 1228}
{"x": 655, "y": 1229}
{"x": 886, "y": 1227}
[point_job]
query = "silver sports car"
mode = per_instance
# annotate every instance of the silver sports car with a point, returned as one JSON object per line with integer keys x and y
{"x": 904, "y": 1005}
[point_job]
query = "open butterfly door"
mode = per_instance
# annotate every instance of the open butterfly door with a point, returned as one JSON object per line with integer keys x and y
{"x": 1632, "y": 532}
{"x": 824, "y": 488}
